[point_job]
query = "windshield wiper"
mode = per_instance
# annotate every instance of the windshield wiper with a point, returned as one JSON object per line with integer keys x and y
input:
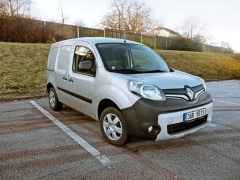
{"x": 154, "y": 71}
{"x": 133, "y": 71}
{"x": 171, "y": 70}
{"x": 127, "y": 71}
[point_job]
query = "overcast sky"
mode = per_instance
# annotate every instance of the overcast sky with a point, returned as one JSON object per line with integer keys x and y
{"x": 222, "y": 16}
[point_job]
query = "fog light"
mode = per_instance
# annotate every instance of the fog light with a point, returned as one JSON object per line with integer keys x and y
{"x": 150, "y": 128}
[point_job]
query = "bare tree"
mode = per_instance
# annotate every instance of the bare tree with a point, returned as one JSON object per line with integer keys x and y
{"x": 2, "y": 8}
{"x": 79, "y": 22}
{"x": 193, "y": 29}
{"x": 16, "y": 8}
{"x": 129, "y": 15}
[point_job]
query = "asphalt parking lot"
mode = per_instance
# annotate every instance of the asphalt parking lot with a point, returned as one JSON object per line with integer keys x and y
{"x": 38, "y": 143}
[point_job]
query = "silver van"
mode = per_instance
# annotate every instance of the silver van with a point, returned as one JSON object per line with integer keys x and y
{"x": 128, "y": 88}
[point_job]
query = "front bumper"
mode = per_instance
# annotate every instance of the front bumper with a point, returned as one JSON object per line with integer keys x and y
{"x": 164, "y": 120}
{"x": 145, "y": 113}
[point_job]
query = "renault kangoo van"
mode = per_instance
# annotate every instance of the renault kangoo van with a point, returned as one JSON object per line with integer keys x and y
{"x": 128, "y": 87}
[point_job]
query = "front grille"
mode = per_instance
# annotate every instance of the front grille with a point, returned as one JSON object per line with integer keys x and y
{"x": 182, "y": 93}
{"x": 179, "y": 127}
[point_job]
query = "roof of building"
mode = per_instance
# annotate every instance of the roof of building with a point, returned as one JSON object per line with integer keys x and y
{"x": 168, "y": 30}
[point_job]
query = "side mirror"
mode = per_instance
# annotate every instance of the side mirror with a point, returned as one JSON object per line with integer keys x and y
{"x": 85, "y": 65}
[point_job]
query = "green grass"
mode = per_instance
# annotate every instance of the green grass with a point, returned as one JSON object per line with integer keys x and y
{"x": 23, "y": 67}
{"x": 209, "y": 66}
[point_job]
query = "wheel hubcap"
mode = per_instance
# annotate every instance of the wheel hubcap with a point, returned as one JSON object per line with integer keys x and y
{"x": 112, "y": 126}
{"x": 52, "y": 98}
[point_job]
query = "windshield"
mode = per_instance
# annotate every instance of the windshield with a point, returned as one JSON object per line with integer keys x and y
{"x": 131, "y": 58}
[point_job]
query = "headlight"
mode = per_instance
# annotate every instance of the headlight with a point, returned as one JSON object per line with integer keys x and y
{"x": 146, "y": 91}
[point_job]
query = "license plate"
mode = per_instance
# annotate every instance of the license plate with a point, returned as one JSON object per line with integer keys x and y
{"x": 193, "y": 115}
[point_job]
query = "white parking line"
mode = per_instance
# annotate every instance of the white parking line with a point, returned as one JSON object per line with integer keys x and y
{"x": 226, "y": 102}
{"x": 102, "y": 158}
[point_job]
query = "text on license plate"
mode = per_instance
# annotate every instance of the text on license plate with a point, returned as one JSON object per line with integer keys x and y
{"x": 193, "y": 115}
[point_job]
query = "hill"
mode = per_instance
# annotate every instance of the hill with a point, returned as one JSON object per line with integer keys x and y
{"x": 209, "y": 66}
{"x": 23, "y": 67}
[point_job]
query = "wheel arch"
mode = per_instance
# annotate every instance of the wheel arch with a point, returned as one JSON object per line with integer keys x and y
{"x": 49, "y": 85}
{"x": 112, "y": 96}
{"x": 105, "y": 103}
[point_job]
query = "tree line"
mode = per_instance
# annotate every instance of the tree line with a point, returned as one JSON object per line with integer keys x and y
{"x": 19, "y": 23}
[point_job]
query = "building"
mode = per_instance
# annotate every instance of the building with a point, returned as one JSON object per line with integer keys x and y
{"x": 165, "y": 32}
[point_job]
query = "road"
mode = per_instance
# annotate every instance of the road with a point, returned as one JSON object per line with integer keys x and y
{"x": 69, "y": 145}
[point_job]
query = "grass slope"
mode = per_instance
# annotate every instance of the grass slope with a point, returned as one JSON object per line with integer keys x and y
{"x": 23, "y": 67}
{"x": 209, "y": 66}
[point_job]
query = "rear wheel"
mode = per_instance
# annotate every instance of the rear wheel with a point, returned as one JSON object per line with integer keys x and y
{"x": 53, "y": 100}
{"x": 113, "y": 126}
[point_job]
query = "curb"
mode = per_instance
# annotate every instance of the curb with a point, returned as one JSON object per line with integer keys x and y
{"x": 22, "y": 98}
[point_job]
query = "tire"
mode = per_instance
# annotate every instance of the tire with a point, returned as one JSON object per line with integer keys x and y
{"x": 53, "y": 100}
{"x": 113, "y": 126}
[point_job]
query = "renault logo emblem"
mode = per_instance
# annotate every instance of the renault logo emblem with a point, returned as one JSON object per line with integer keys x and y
{"x": 190, "y": 93}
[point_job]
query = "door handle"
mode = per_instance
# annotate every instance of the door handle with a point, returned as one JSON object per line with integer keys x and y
{"x": 64, "y": 78}
{"x": 70, "y": 80}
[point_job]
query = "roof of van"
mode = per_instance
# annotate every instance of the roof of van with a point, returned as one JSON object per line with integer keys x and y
{"x": 96, "y": 40}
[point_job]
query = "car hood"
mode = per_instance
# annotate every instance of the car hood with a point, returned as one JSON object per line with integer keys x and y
{"x": 167, "y": 80}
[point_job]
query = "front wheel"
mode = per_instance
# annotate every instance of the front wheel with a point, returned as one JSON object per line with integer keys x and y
{"x": 53, "y": 100}
{"x": 113, "y": 126}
